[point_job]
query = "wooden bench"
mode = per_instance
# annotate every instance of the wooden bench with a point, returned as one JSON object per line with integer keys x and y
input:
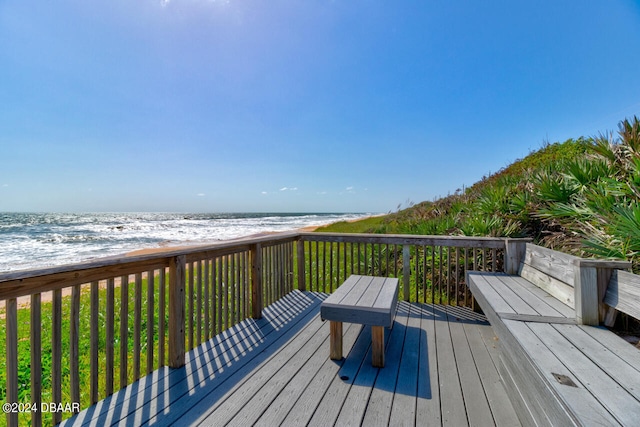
{"x": 365, "y": 300}
{"x": 559, "y": 366}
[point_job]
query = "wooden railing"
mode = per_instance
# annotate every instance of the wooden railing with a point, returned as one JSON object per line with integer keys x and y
{"x": 96, "y": 327}
{"x": 431, "y": 268}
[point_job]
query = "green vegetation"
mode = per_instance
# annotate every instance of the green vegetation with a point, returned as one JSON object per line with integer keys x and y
{"x": 360, "y": 226}
{"x": 581, "y": 196}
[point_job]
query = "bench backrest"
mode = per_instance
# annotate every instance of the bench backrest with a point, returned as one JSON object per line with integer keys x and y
{"x": 579, "y": 283}
{"x": 550, "y": 270}
{"x": 623, "y": 294}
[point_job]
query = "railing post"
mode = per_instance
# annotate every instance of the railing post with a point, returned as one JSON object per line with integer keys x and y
{"x": 514, "y": 250}
{"x": 586, "y": 293}
{"x": 302, "y": 282}
{"x": 177, "y": 268}
{"x": 256, "y": 280}
{"x": 406, "y": 271}
{"x": 591, "y": 281}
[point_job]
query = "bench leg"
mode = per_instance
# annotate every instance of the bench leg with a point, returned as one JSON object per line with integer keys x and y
{"x": 377, "y": 346}
{"x": 335, "y": 341}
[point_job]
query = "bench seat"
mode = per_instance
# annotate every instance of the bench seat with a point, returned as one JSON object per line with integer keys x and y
{"x": 561, "y": 372}
{"x": 366, "y": 300}
{"x": 556, "y": 370}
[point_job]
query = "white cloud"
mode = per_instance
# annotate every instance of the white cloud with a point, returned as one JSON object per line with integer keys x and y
{"x": 289, "y": 189}
{"x": 200, "y": 194}
{"x": 264, "y": 192}
{"x": 350, "y": 188}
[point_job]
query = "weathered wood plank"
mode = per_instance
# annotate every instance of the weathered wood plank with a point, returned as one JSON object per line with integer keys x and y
{"x": 607, "y": 358}
{"x": 540, "y": 302}
{"x": 558, "y": 289}
{"x": 403, "y": 410}
{"x": 480, "y": 285}
{"x": 623, "y": 293}
{"x": 481, "y": 342}
{"x": 385, "y": 390}
{"x": 586, "y": 291}
{"x": 537, "y": 340}
{"x": 606, "y": 391}
{"x": 451, "y": 399}
{"x": 512, "y": 295}
{"x": 428, "y": 399}
{"x": 550, "y": 300}
{"x": 363, "y": 301}
{"x": 203, "y": 406}
{"x": 248, "y": 403}
{"x": 552, "y": 263}
{"x": 536, "y": 318}
{"x": 357, "y": 399}
{"x": 330, "y": 372}
{"x": 329, "y": 407}
{"x": 475, "y": 401}
{"x": 306, "y": 388}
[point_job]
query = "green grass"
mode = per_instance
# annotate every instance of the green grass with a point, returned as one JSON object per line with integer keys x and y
{"x": 365, "y": 225}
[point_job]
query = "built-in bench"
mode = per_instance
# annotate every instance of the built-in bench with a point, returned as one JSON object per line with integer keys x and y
{"x": 559, "y": 366}
{"x": 366, "y": 300}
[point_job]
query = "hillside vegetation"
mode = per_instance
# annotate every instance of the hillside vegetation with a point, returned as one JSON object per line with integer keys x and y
{"x": 581, "y": 196}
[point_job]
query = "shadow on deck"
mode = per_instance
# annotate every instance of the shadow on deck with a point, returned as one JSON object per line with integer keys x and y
{"x": 440, "y": 369}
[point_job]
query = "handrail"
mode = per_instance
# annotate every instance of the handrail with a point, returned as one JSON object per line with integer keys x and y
{"x": 157, "y": 306}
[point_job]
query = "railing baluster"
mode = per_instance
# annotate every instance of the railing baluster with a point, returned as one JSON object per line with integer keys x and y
{"x": 94, "y": 342}
{"x": 124, "y": 330}
{"x": 256, "y": 281}
{"x": 137, "y": 325}
{"x": 219, "y": 295}
{"x": 150, "y": 319}
{"x": 36, "y": 359}
{"x": 74, "y": 322}
{"x": 12, "y": 358}
{"x": 317, "y": 282}
{"x": 466, "y": 287}
{"x": 207, "y": 319}
{"x": 177, "y": 269}
{"x": 109, "y": 338}
{"x": 214, "y": 296}
{"x": 190, "y": 303}
{"x": 56, "y": 353}
{"x": 233, "y": 284}
{"x": 198, "y": 283}
{"x": 162, "y": 303}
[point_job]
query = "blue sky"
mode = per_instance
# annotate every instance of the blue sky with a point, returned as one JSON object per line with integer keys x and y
{"x": 283, "y": 105}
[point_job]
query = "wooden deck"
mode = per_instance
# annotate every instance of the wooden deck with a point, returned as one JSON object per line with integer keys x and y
{"x": 440, "y": 370}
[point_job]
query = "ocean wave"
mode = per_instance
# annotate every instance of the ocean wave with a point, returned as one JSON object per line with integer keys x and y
{"x": 32, "y": 240}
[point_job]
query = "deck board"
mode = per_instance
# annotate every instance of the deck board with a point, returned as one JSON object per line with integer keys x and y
{"x": 276, "y": 371}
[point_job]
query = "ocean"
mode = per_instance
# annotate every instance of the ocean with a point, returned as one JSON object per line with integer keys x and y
{"x": 35, "y": 240}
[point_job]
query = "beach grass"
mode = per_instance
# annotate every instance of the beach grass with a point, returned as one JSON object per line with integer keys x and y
{"x": 365, "y": 225}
